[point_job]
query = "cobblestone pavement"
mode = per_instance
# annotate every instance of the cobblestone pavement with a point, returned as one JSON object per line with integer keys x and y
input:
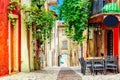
{"x": 99, "y": 76}
{"x": 68, "y": 74}
{"x": 45, "y": 74}
{"x": 65, "y": 74}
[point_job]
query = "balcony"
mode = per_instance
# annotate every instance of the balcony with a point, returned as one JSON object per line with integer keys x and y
{"x": 52, "y": 2}
{"x": 97, "y": 6}
{"x": 102, "y": 8}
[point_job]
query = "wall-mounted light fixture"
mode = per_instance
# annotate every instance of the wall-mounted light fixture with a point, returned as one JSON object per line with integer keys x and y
{"x": 98, "y": 28}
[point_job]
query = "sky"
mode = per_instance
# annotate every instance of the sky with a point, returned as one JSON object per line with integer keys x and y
{"x": 53, "y": 7}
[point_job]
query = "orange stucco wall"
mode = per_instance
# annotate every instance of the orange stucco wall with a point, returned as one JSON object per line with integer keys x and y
{"x": 3, "y": 37}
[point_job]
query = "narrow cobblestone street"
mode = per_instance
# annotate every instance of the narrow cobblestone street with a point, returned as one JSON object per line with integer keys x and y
{"x": 60, "y": 73}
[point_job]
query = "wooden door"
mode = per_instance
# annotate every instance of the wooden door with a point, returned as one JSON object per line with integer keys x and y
{"x": 98, "y": 44}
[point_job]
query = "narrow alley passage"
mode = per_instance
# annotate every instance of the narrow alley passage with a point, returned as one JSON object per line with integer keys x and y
{"x": 68, "y": 74}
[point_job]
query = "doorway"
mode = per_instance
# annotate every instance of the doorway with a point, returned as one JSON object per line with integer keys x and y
{"x": 109, "y": 43}
{"x": 13, "y": 48}
{"x": 64, "y": 60}
{"x": 98, "y": 44}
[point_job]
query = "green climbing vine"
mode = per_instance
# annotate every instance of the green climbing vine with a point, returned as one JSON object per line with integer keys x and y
{"x": 13, "y": 5}
{"x": 12, "y": 21}
{"x": 37, "y": 17}
{"x": 75, "y": 14}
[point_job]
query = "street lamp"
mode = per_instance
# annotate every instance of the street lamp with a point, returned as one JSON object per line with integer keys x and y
{"x": 38, "y": 30}
{"x": 98, "y": 29}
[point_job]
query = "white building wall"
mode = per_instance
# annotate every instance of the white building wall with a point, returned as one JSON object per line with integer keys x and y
{"x": 24, "y": 50}
{"x": 49, "y": 56}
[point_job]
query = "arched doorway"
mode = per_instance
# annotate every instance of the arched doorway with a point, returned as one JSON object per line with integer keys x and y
{"x": 64, "y": 60}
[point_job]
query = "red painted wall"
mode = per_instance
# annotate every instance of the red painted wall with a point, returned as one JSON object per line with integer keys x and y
{"x": 4, "y": 62}
{"x": 115, "y": 38}
{"x": 3, "y": 37}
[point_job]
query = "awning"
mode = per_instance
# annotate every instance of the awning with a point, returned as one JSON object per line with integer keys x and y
{"x": 111, "y": 7}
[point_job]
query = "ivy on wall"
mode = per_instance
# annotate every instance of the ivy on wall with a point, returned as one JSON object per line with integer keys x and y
{"x": 40, "y": 19}
{"x": 13, "y": 5}
{"x": 36, "y": 17}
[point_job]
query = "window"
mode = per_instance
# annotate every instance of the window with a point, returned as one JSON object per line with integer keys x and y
{"x": 64, "y": 45}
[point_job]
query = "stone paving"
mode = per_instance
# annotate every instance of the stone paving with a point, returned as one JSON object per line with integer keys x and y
{"x": 58, "y": 73}
{"x": 99, "y": 76}
{"x": 68, "y": 74}
{"x": 45, "y": 74}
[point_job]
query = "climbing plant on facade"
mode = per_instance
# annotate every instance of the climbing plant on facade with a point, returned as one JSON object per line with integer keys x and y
{"x": 13, "y": 5}
{"x": 75, "y": 14}
{"x": 41, "y": 20}
{"x": 35, "y": 17}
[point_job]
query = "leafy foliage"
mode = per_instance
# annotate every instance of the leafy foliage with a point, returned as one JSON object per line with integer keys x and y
{"x": 75, "y": 14}
{"x": 37, "y": 17}
{"x": 13, "y": 5}
{"x": 12, "y": 20}
{"x": 38, "y": 3}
